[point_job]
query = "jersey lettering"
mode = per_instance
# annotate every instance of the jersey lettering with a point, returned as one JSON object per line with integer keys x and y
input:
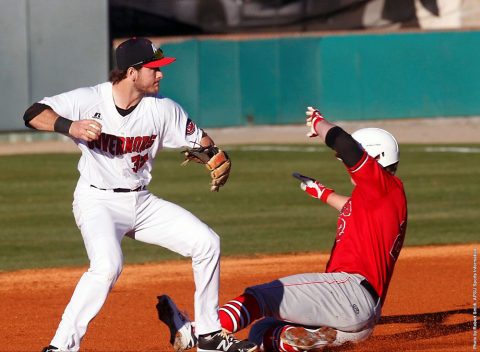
{"x": 398, "y": 243}
{"x": 137, "y": 142}
{"x": 342, "y": 223}
{"x": 104, "y": 141}
{"x": 128, "y": 145}
{"x": 156, "y": 123}
{"x": 122, "y": 145}
{"x": 145, "y": 142}
{"x": 112, "y": 146}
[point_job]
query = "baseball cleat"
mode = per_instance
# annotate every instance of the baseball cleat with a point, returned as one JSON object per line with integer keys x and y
{"x": 182, "y": 336}
{"x": 50, "y": 348}
{"x": 222, "y": 341}
{"x": 309, "y": 339}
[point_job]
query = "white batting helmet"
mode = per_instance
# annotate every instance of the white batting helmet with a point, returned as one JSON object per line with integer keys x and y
{"x": 379, "y": 144}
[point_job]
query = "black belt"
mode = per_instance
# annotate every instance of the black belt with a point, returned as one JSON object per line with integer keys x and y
{"x": 121, "y": 190}
{"x": 370, "y": 290}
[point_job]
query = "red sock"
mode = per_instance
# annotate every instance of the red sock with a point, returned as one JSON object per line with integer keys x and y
{"x": 239, "y": 312}
{"x": 272, "y": 341}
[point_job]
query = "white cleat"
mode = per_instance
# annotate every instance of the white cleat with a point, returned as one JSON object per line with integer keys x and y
{"x": 182, "y": 336}
{"x": 309, "y": 339}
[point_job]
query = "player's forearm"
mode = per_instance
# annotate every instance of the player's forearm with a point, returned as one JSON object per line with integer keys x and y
{"x": 40, "y": 117}
{"x": 334, "y": 137}
{"x": 323, "y": 127}
{"x": 206, "y": 141}
{"x": 336, "y": 201}
{"x": 49, "y": 120}
{"x": 45, "y": 121}
{"x": 317, "y": 190}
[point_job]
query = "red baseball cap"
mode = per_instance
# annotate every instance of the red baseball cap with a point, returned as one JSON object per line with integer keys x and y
{"x": 140, "y": 52}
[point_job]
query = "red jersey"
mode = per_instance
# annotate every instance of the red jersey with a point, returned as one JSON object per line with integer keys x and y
{"x": 371, "y": 226}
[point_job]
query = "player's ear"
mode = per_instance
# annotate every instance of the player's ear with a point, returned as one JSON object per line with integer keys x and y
{"x": 132, "y": 73}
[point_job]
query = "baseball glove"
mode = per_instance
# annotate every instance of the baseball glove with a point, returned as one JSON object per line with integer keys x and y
{"x": 215, "y": 160}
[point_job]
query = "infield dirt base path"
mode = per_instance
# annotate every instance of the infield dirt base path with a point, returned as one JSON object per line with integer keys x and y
{"x": 429, "y": 306}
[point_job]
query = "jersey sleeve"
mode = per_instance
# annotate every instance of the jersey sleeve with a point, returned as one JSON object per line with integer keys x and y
{"x": 181, "y": 129}
{"x": 370, "y": 178}
{"x": 67, "y": 104}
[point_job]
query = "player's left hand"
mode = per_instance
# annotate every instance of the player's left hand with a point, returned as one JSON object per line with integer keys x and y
{"x": 313, "y": 118}
{"x": 313, "y": 187}
{"x": 215, "y": 160}
{"x": 219, "y": 166}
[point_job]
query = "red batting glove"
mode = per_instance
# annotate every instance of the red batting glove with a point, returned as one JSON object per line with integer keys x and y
{"x": 313, "y": 187}
{"x": 316, "y": 190}
{"x": 313, "y": 118}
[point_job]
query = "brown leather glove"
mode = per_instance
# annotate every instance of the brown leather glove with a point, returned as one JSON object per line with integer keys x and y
{"x": 215, "y": 160}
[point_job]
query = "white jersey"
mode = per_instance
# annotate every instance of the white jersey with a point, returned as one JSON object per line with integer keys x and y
{"x": 123, "y": 155}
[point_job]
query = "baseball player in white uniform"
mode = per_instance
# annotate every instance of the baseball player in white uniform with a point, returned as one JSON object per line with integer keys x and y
{"x": 119, "y": 127}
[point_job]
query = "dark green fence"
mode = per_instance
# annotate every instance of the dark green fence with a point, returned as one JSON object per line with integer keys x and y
{"x": 349, "y": 77}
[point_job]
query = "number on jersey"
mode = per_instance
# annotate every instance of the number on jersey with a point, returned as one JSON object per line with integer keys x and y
{"x": 138, "y": 161}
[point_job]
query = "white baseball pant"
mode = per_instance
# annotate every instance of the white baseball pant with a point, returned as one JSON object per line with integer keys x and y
{"x": 104, "y": 218}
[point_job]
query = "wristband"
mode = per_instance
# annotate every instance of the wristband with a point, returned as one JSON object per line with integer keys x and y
{"x": 62, "y": 125}
{"x": 326, "y": 192}
{"x": 316, "y": 118}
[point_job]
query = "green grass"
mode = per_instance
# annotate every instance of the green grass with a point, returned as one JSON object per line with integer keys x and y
{"x": 261, "y": 210}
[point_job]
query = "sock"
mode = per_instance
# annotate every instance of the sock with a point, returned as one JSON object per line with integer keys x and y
{"x": 239, "y": 313}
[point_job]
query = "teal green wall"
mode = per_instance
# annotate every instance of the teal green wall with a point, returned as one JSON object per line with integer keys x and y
{"x": 348, "y": 77}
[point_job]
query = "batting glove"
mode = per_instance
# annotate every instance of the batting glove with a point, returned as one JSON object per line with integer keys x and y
{"x": 313, "y": 187}
{"x": 313, "y": 118}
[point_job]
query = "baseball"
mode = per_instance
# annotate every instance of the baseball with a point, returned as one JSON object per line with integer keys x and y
{"x": 94, "y": 126}
{"x": 95, "y": 129}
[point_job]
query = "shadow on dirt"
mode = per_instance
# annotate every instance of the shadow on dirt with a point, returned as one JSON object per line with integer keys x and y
{"x": 432, "y": 325}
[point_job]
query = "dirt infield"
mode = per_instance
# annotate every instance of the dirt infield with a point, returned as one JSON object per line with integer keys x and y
{"x": 429, "y": 307}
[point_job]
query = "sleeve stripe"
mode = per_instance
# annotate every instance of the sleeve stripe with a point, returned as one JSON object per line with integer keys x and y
{"x": 359, "y": 165}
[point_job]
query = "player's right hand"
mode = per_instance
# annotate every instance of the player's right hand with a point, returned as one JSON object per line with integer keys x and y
{"x": 86, "y": 130}
{"x": 313, "y": 117}
{"x": 313, "y": 187}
